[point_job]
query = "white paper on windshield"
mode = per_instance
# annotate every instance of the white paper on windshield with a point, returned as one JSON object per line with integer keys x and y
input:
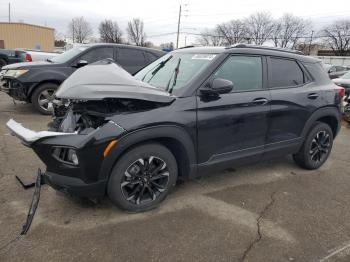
{"x": 203, "y": 56}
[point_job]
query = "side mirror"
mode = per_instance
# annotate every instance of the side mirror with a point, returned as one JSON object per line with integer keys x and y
{"x": 218, "y": 86}
{"x": 81, "y": 63}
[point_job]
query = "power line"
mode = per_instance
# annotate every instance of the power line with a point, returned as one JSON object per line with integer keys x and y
{"x": 312, "y": 37}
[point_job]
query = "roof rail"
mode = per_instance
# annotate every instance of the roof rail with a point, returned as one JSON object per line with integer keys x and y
{"x": 286, "y": 50}
{"x": 188, "y": 46}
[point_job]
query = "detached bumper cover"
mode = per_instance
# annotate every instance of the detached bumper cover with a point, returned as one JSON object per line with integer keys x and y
{"x": 29, "y": 136}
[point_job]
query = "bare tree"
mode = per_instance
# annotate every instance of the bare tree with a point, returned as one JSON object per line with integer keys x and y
{"x": 259, "y": 27}
{"x": 169, "y": 46}
{"x": 337, "y": 37}
{"x": 210, "y": 37}
{"x": 289, "y": 30}
{"x": 79, "y": 29}
{"x": 110, "y": 32}
{"x": 135, "y": 32}
{"x": 233, "y": 32}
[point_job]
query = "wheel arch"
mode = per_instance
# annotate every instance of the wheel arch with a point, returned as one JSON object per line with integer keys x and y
{"x": 328, "y": 115}
{"x": 33, "y": 87}
{"x": 175, "y": 138}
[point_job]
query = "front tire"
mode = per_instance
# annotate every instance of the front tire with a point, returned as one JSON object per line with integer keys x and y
{"x": 142, "y": 177}
{"x": 316, "y": 148}
{"x": 43, "y": 96}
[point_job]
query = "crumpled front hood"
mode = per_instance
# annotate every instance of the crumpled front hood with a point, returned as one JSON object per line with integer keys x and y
{"x": 106, "y": 79}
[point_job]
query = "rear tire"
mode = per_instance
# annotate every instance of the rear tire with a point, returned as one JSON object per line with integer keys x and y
{"x": 142, "y": 177}
{"x": 42, "y": 96}
{"x": 316, "y": 147}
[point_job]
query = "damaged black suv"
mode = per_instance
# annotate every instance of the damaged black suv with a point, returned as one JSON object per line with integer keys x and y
{"x": 190, "y": 112}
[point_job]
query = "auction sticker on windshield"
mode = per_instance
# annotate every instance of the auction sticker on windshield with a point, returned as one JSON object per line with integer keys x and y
{"x": 204, "y": 56}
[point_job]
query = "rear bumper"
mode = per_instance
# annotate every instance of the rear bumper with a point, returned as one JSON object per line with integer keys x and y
{"x": 75, "y": 186}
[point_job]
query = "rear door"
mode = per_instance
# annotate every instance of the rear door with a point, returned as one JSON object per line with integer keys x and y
{"x": 131, "y": 59}
{"x": 234, "y": 125}
{"x": 293, "y": 99}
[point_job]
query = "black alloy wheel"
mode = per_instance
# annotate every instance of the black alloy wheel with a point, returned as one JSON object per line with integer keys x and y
{"x": 319, "y": 146}
{"x": 142, "y": 177}
{"x": 316, "y": 147}
{"x": 145, "y": 180}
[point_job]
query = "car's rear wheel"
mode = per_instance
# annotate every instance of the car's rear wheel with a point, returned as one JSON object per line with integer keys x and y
{"x": 43, "y": 97}
{"x": 316, "y": 148}
{"x": 142, "y": 177}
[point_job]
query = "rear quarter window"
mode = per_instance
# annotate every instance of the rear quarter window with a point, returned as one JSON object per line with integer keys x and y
{"x": 317, "y": 72}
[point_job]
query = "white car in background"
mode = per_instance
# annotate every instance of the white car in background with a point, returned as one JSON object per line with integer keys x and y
{"x": 33, "y": 55}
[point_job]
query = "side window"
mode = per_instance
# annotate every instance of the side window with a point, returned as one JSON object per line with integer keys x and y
{"x": 284, "y": 73}
{"x": 151, "y": 57}
{"x": 245, "y": 72}
{"x": 130, "y": 57}
{"x": 97, "y": 54}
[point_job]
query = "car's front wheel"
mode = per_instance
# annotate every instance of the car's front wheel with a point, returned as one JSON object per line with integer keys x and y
{"x": 142, "y": 177}
{"x": 43, "y": 97}
{"x": 316, "y": 148}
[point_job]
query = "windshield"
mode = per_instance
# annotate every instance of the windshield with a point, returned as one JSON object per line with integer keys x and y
{"x": 66, "y": 56}
{"x": 168, "y": 72}
{"x": 346, "y": 76}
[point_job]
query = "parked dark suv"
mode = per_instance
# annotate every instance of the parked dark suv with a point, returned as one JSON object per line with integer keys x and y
{"x": 192, "y": 111}
{"x": 36, "y": 82}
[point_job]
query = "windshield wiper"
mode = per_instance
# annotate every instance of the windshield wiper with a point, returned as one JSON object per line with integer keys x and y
{"x": 156, "y": 69}
{"x": 175, "y": 73}
{"x": 49, "y": 60}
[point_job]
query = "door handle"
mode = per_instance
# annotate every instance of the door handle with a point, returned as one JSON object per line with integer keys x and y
{"x": 260, "y": 101}
{"x": 312, "y": 95}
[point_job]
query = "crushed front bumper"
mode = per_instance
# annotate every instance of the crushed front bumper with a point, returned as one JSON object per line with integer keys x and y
{"x": 14, "y": 88}
{"x": 82, "y": 179}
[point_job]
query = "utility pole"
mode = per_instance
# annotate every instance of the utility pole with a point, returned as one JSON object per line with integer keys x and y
{"x": 178, "y": 29}
{"x": 9, "y": 12}
{"x": 73, "y": 29}
{"x": 312, "y": 34}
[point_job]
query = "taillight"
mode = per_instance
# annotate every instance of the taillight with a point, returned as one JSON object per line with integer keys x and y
{"x": 340, "y": 90}
{"x": 28, "y": 58}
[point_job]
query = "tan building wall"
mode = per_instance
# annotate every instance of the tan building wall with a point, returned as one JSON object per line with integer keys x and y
{"x": 21, "y": 35}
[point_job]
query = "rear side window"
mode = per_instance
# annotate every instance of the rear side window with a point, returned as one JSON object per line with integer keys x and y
{"x": 130, "y": 57}
{"x": 245, "y": 72}
{"x": 97, "y": 54}
{"x": 284, "y": 73}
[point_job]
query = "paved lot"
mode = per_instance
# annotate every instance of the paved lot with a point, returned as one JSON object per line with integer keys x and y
{"x": 272, "y": 211}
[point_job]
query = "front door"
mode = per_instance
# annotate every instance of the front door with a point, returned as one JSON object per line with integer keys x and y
{"x": 234, "y": 125}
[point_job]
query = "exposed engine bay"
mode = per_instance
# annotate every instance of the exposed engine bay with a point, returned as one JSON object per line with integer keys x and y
{"x": 85, "y": 116}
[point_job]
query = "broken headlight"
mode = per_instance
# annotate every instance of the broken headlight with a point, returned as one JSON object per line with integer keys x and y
{"x": 66, "y": 155}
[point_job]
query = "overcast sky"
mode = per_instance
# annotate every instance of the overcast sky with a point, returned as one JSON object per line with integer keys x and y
{"x": 160, "y": 17}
